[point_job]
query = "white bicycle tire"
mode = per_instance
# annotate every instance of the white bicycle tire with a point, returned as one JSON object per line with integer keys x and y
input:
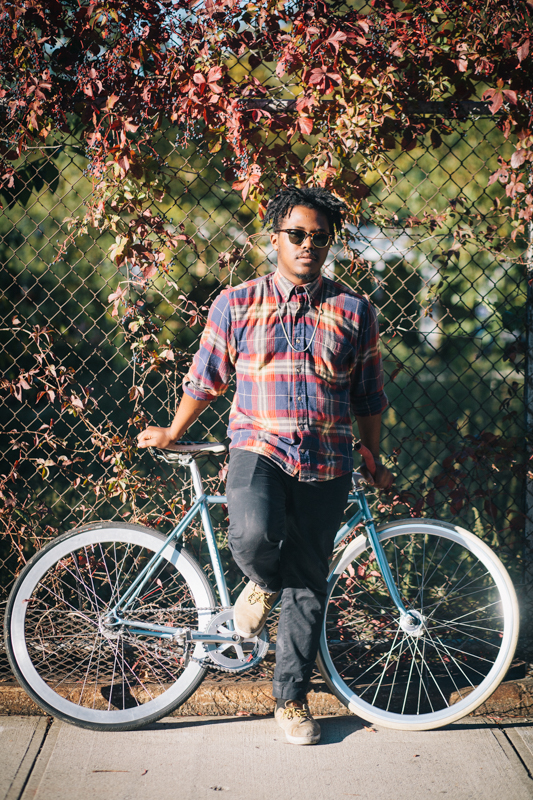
{"x": 47, "y": 559}
{"x": 479, "y": 694}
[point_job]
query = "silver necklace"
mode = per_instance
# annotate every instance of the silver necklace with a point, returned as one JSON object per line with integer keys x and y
{"x": 316, "y": 323}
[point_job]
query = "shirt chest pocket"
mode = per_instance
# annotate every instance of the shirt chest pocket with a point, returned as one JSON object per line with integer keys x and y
{"x": 256, "y": 349}
{"x": 334, "y": 356}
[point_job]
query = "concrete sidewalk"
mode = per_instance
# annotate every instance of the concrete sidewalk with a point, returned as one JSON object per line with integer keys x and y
{"x": 247, "y": 758}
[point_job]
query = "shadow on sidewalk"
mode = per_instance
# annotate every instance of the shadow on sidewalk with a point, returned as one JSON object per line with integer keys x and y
{"x": 334, "y": 728}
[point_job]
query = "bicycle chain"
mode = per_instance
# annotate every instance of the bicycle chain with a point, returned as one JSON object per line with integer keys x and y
{"x": 209, "y": 664}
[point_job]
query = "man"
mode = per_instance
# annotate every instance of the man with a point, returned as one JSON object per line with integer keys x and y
{"x": 305, "y": 351}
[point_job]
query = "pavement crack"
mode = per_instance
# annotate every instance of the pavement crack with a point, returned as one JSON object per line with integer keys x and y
{"x": 30, "y": 759}
{"x": 517, "y": 753}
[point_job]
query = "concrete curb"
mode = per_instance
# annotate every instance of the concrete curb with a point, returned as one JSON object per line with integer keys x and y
{"x": 212, "y": 698}
{"x": 254, "y": 698}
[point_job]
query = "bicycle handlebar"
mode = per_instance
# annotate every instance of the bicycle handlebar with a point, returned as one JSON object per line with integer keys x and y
{"x": 368, "y": 458}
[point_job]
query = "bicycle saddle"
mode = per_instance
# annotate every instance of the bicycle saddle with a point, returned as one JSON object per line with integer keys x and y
{"x": 175, "y": 451}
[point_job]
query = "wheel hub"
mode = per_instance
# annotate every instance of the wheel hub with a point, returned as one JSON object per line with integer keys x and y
{"x": 413, "y": 623}
{"x": 109, "y": 627}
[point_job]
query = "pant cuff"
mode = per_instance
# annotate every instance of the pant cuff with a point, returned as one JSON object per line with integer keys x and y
{"x": 289, "y": 691}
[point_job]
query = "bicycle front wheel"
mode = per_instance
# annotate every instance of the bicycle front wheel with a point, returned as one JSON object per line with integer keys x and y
{"x": 431, "y": 674}
{"x": 65, "y": 656}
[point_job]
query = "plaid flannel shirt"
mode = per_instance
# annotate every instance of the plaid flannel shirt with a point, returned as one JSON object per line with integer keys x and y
{"x": 292, "y": 406}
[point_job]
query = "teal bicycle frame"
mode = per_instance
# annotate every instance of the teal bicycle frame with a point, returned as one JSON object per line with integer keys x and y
{"x": 118, "y": 615}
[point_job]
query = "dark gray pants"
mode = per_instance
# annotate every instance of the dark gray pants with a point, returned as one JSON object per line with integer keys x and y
{"x": 281, "y": 535}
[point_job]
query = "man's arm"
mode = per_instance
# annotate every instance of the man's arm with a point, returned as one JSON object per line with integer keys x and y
{"x": 370, "y": 433}
{"x": 207, "y": 378}
{"x": 188, "y": 411}
{"x": 368, "y": 399}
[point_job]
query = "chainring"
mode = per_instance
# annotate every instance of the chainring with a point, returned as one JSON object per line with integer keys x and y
{"x": 234, "y": 656}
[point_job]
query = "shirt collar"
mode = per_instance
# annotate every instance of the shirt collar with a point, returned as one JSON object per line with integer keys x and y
{"x": 286, "y": 287}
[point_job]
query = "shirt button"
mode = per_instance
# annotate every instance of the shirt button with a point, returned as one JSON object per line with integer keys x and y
{"x": 300, "y": 399}
{"x": 297, "y": 341}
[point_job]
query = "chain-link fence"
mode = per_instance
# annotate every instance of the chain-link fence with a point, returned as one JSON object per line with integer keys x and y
{"x": 89, "y": 350}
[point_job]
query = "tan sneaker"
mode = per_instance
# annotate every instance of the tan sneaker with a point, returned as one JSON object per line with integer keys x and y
{"x": 252, "y": 609}
{"x": 298, "y": 724}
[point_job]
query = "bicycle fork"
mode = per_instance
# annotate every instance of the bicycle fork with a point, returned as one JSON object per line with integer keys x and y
{"x": 411, "y": 621}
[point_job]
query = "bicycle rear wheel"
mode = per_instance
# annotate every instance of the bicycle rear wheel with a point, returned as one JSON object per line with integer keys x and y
{"x": 451, "y": 663}
{"x": 70, "y": 662}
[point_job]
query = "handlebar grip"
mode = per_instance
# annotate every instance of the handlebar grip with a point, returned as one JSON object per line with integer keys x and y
{"x": 368, "y": 458}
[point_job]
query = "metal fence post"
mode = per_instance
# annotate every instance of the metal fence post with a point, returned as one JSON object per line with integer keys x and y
{"x": 528, "y": 504}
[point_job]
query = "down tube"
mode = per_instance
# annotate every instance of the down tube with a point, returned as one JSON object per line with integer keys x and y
{"x": 156, "y": 559}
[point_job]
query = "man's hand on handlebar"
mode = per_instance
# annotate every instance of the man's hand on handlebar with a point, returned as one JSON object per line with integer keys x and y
{"x": 188, "y": 411}
{"x": 153, "y": 436}
{"x": 382, "y": 478}
{"x": 373, "y": 470}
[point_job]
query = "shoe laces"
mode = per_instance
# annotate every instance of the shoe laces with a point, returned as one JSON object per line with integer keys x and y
{"x": 260, "y": 597}
{"x": 290, "y": 712}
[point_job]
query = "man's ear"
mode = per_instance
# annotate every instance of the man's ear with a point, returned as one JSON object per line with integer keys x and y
{"x": 274, "y": 240}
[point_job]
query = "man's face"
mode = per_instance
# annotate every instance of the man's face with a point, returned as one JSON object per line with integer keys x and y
{"x": 301, "y": 263}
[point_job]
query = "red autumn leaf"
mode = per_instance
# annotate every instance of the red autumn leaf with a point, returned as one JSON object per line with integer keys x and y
{"x": 518, "y": 157}
{"x": 252, "y": 179}
{"x": 501, "y": 175}
{"x": 523, "y": 50}
{"x": 116, "y": 298}
{"x": 396, "y": 49}
{"x": 496, "y": 99}
{"x": 136, "y": 392}
{"x": 328, "y": 80}
{"x": 305, "y": 124}
{"x": 214, "y": 74}
{"x": 198, "y": 78}
{"x": 336, "y": 39}
{"x": 149, "y": 271}
{"x": 511, "y": 96}
{"x": 514, "y": 186}
{"x": 242, "y": 186}
{"x": 77, "y": 403}
{"x": 111, "y": 101}
{"x": 124, "y": 162}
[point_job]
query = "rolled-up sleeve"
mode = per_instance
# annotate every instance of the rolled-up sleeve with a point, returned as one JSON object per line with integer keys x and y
{"x": 213, "y": 363}
{"x": 367, "y": 396}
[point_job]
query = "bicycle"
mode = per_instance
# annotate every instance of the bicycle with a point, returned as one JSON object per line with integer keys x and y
{"x": 113, "y": 625}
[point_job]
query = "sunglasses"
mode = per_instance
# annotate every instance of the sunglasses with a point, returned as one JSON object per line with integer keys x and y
{"x": 298, "y": 237}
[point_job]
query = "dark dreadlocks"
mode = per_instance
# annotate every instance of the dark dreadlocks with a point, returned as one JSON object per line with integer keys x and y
{"x": 280, "y": 206}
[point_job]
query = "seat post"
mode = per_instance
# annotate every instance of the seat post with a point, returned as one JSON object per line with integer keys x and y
{"x": 196, "y": 478}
